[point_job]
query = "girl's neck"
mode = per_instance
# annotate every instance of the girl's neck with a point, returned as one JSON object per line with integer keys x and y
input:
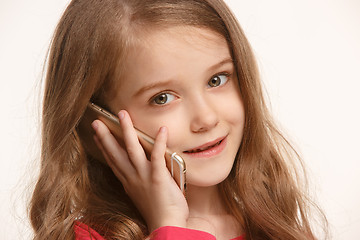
{"x": 204, "y": 201}
{"x": 207, "y": 212}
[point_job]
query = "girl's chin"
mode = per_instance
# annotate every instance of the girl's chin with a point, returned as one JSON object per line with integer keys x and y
{"x": 209, "y": 181}
{"x": 202, "y": 176}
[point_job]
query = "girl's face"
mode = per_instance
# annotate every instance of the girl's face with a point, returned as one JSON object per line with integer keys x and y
{"x": 184, "y": 78}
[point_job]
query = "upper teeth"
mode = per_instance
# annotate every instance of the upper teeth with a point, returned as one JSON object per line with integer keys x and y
{"x": 204, "y": 148}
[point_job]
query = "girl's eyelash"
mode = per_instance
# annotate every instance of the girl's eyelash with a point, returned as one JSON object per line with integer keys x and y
{"x": 153, "y": 98}
{"x": 227, "y": 74}
{"x": 215, "y": 84}
{"x": 165, "y": 92}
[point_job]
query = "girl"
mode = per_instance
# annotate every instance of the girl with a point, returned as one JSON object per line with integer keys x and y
{"x": 183, "y": 72}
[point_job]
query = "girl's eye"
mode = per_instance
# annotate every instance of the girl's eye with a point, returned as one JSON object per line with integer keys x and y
{"x": 163, "y": 98}
{"x": 218, "y": 80}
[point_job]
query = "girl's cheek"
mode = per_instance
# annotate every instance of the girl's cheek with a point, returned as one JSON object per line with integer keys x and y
{"x": 173, "y": 121}
{"x": 149, "y": 120}
{"x": 150, "y": 123}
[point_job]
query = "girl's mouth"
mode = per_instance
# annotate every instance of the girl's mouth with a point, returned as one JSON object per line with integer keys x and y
{"x": 208, "y": 149}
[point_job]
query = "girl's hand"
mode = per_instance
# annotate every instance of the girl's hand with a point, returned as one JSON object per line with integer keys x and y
{"x": 148, "y": 183}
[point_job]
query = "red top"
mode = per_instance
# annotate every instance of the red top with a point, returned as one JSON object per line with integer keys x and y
{"x": 84, "y": 232}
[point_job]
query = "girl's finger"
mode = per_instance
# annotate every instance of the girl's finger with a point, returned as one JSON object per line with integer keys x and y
{"x": 158, "y": 154}
{"x": 112, "y": 165}
{"x": 133, "y": 147}
{"x": 116, "y": 156}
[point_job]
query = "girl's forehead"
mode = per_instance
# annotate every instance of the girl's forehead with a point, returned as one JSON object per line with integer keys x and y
{"x": 175, "y": 43}
{"x": 170, "y": 54}
{"x": 145, "y": 44}
{"x": 196, "y": 35}
{"x": 164, "y": 48}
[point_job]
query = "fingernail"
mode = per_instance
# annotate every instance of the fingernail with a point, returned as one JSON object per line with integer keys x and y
{"x": 121, "y": 115}
{"x": 94, "y": 125}
{"x": 163, "y": 129}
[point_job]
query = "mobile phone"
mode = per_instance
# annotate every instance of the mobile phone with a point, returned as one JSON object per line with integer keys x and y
{"x": 174, "y": 162}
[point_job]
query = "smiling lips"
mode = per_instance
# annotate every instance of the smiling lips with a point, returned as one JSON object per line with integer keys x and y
{"x": 209, "y": 149}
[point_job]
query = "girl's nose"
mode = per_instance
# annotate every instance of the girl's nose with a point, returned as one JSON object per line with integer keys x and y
{"x": 204, "y": 118}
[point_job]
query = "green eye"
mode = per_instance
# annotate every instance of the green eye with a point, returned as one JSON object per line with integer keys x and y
{"x": 218, "y": 80}
{"x": 163, "y": 98}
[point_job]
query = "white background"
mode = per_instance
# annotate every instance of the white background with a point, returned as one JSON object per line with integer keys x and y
{"x": 309, "y": 57}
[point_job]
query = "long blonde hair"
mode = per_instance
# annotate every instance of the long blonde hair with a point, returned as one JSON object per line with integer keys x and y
{"x": 90, "y": 43}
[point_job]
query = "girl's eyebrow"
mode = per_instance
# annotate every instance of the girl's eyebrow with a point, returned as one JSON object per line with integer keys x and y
{"x": 221, "y": 63}
{"x": 153, "y": 85}
{"x": 160, "y": 84}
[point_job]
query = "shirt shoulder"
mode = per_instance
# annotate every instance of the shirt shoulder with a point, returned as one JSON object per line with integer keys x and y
{"x": 238, "y": 238}
{"x": 84, "y": 232}
{"x": 177, "y": 233}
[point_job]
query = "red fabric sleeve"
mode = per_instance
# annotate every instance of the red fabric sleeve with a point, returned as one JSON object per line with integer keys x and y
{"x": 177, "y": 233}
{"x": 238, "y": 238}
{"x": 84, "y": 232}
